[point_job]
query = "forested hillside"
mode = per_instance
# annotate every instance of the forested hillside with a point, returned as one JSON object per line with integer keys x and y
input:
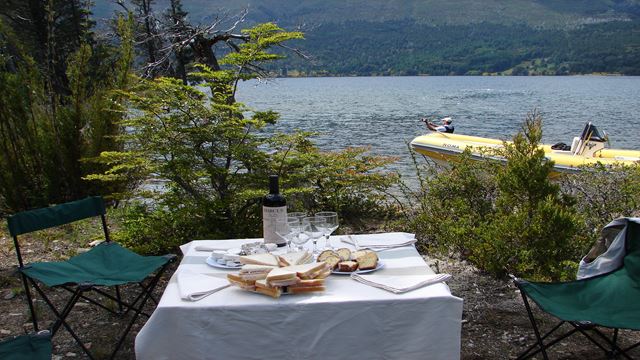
{"x": 520, "y": 37}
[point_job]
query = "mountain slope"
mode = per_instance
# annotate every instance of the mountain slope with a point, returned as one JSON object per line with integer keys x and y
{"x": 548, "y": 13}
{"x": 407, "y": 37}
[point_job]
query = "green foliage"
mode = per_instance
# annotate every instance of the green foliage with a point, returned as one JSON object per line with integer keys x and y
{"x": 213, "y": 156}
{"x": 48, "y": 130}
{"x": 454, "y": 204}
{"x": 154, "y": 231}
{"x": 506, "y": 218}
{"x": 603, "y": 194}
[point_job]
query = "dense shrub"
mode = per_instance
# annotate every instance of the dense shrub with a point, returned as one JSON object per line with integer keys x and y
{"x": 603, "y": 194}
{"x": 51, "y": 121}
{"x": 504, "y": 218}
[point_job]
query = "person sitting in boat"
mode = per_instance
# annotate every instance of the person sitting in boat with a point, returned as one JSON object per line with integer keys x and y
{"x": 446, "y": 126}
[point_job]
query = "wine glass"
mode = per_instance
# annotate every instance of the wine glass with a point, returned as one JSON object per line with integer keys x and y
{"x": 296, "y": 215}
{"x": 330, "y": 225}
{"x": 312, "y": 228}
{"x": 300, "y": 238}
{"x": 287, "y": 229}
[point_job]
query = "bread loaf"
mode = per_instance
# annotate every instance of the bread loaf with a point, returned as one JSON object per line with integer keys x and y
{"x": 367, "y": 259}
{"x": 332, "y": 261}
{"x": 344, "y": 253}
{"x": 347, "y": 266}
{"x": 325, "y": 254}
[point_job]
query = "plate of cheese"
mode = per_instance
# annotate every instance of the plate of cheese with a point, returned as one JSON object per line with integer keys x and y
{"x": 225, "y": 259}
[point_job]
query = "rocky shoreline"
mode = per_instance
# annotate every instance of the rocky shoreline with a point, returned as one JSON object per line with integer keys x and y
{"x": 494, "y": 324}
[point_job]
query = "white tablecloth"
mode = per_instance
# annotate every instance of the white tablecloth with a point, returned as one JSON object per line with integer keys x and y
{"x": 348, "y": 321}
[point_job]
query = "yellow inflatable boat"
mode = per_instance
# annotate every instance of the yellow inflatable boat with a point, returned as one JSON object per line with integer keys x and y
{"x": 587, "y": 149}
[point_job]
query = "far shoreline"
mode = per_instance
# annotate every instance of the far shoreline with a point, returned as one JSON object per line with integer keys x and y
{"x": 466, "y": 75}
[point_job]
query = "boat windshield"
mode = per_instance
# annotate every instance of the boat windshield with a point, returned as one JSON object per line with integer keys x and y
{"x": 591, "y": 132}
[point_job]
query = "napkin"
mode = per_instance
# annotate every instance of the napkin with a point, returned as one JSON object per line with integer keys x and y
{"x": 399, "y": 284}
{"x": 193, "y": 286}
{"x": 386, "y": 241}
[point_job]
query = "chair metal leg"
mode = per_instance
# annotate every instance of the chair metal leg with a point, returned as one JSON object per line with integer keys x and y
{"x": 137, "y": 311}
{"x": 90, "y": 300}
{"x": 60, "y": 317}
{"x": 528, "y": 353}
{"x": 631, "y": 347}
{"x": 614, "y": 349}
{"x": 535, "y": 327}
{"x": 119, "y": 299}
{"x": 122, "y": 304}
{"x": 27, "y": 291}
{"x": 153, "y": 298}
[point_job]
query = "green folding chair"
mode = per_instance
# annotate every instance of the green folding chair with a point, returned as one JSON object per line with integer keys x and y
{"x": 27, "y": 347}
{"x": 106, "y": 265}
{"x": 609, "y": 299}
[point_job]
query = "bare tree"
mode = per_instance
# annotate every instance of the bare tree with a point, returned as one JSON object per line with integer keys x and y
{"x": 183, "y": 42}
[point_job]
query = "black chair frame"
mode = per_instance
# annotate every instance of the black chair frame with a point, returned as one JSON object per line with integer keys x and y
{"x": 78, "y": 292}
{"x": 607, "y": 344}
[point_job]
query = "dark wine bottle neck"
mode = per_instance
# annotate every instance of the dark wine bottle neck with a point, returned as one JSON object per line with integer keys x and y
{"x": 273, "y": 184}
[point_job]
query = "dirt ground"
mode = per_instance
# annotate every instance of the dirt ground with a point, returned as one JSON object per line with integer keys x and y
{"x": 495, "y": 324}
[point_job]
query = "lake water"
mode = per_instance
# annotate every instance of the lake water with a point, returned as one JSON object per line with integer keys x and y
{"x": 384, "y": 112}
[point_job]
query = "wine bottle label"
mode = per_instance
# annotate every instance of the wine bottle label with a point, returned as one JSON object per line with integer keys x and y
{"x": 269, "y": 217}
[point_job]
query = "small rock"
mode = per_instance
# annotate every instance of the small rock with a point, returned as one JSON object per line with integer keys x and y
{"x": 56, "y": 357}
{"x": 9, "y": 295}
{"x": 70, "y": 354}
{"x": 5, "y": 332}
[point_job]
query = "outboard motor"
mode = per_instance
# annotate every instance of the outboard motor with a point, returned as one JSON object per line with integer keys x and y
{"x": 589, "y": 142}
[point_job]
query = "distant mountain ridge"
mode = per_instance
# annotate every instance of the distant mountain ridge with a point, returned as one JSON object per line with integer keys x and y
{"x": 455, "y": 37}
{"x": 539, "y": 13}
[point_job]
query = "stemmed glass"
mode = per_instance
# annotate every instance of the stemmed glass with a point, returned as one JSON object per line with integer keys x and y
{"x": 312, "y": 228}
{"x": 330, "y": 225}
{"x": 288, "y": 229}
{"x": 296, "y": 215}
{"x": 300, "y": 238}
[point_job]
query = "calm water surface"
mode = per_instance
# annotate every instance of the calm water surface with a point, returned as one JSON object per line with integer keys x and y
{"x": 384, "y": 112}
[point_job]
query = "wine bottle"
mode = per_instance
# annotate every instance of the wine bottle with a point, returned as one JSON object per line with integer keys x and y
{"x": 274, "y": 207}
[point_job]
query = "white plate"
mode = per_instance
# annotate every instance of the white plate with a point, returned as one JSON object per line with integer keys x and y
{"x": 379, "y": 266}
{"x": 212, "y": 262}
